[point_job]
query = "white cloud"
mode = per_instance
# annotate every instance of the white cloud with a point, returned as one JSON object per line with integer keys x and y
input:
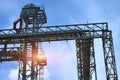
{"x": 61, "y": 58}
{"x": 47, "y": 74}
{"x": 13, "y": 75}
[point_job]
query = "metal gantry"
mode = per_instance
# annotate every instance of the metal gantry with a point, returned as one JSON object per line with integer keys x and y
{"x": 31, "y": 32}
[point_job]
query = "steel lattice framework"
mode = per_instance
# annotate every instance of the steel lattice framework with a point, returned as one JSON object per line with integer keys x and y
{"x": 83, "y": 34}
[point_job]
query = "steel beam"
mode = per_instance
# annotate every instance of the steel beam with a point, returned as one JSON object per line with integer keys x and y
{"x": 9, "y": 54}
{"x": 51, "y": 33}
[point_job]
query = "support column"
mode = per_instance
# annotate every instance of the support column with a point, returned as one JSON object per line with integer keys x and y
{"x": 34, "y": 61}
{"x": 109, "y": 56}
{"x": 86, "y": 58}
{"x": 23, "y": 63}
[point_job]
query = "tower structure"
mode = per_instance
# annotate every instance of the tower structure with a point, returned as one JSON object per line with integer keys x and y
{"x": 30, "y": 32}
{"x": 31, "y": 17}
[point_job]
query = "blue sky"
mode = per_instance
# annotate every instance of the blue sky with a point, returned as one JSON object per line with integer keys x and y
{"x": 62, "y": 55}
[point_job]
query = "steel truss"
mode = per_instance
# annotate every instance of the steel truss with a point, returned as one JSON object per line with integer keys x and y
{"x": 109, "y": 56}
{"x": 86, "y": 58}
{"x": 28, "y": 65}
{"x": 84, "y": 34}
{"x": 51, "y": 33}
